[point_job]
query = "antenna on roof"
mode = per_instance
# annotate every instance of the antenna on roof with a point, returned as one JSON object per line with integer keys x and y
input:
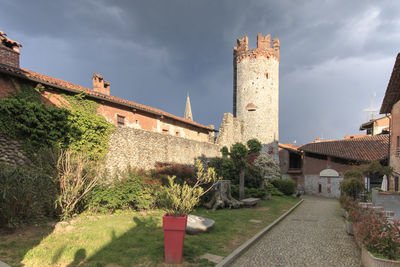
{"x": 371, "y": 109}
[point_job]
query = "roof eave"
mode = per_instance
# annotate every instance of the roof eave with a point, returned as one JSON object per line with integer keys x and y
{"x": 99, "y": 97}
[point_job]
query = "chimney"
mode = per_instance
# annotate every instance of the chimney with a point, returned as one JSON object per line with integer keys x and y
{"x": 9, "y": 51}
{"x": 100, "y": 85}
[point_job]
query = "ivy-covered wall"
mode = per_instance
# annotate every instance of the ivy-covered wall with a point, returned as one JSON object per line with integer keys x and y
{"x": 27, "y": 116}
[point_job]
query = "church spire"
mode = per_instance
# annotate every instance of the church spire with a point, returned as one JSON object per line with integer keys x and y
{"x": 188, "y": 110}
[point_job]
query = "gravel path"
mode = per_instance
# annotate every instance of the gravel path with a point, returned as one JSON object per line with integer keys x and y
{"x": 313, "y": 235}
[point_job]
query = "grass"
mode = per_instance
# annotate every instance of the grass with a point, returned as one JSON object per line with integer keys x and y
{"x": 133, "y": 238}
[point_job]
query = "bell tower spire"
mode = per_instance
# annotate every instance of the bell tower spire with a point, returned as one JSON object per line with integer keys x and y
{"x": 188, "y": 109}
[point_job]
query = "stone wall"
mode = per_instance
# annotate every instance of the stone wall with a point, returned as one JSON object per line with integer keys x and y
{"x": 389, "y": 201}
{"x": 143, "y": 149}
{"x": 11, "y": 152}
{"x": 329, "y": 186}
{"x": 230, "y": 131}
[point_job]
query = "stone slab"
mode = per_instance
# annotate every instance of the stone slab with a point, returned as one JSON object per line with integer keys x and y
{"x": 213, "y": 258}
{"x": 197, "y": 224}
{"x": 255, "y": 221}
{"x": 250, "y": 201}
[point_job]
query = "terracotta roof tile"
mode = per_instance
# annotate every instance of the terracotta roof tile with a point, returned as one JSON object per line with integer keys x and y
{"x": 370, "y": 148}
{"x": 289, "y": 147}
{"x": 64, "y": 85}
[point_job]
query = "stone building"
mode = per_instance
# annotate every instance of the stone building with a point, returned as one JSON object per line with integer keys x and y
{"x": 256, "y": 91}
{"x": 391, "y": 105}
{"x": 318, "y": 167}
{"x": 118, "y": 111}
{"x": 144, "y": 135}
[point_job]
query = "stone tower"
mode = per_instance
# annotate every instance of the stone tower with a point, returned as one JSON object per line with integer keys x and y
{"x": 256, "y": 91}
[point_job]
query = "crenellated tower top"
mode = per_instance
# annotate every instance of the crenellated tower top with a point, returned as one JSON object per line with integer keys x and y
{"x": 241, "y": 51}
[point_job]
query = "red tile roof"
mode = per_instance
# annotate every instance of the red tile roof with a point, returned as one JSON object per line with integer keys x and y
{"x": 290, "y": 147}
{"x": 392, "y": 94}
{"x": 370, "y": 148}
{"x": 67, "y": 86}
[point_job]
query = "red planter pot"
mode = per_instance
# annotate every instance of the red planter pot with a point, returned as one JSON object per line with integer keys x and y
{"x": 174, "y": 235}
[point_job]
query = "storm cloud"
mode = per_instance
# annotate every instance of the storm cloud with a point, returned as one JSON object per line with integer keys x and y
{"x": 334, "y": 54}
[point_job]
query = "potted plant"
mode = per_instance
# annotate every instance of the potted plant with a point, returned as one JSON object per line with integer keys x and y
{"x": 178, "y": 200}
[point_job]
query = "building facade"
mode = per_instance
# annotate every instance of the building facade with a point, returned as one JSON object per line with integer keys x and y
{"x": 391, "y": 105}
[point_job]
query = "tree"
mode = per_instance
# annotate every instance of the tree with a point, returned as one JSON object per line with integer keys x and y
{"x": 238, "y": 155}
{"x": 268, "y": 167}
{"x": 254, "y": 146}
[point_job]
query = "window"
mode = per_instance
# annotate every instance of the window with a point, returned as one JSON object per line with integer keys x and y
{"x": 398, "y": 146}
{"x": 164, "y": 130}
{"x": 319, "y": 188}
{"x": 396, "y": 183}
{"x": 120, "y": 120}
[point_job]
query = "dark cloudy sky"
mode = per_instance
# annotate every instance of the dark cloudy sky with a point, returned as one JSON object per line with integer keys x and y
{"x": 334, "y": 54}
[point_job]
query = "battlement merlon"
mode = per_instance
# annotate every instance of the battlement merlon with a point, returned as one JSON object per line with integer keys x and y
{"x": 242, "y": 51}
{"x": 242, "y": 44}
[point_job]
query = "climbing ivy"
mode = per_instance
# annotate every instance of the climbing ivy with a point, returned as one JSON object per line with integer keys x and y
{"x": 23, "y": 116}
{"x": 89, "y": 132}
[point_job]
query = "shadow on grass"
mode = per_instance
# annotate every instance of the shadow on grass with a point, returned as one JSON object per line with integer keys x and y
{"x": 141, "y": 245}
{"x": 14, "y": 244}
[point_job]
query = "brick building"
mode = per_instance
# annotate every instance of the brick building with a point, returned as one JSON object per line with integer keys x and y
{"x": 391, "y": 105}
{"x": 118, "y": 111}
{"x": 318, "y": 167}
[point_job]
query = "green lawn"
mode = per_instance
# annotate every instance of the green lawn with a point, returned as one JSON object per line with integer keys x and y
{"x": 133, "y": 238}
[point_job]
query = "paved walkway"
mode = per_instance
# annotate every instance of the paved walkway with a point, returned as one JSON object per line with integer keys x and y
{"x": 312, "y": 235}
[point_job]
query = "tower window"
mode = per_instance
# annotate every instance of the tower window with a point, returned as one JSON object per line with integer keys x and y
{"x": 267, "y": 75}
{"x": 120, "y": 120}
{"x": 251, "y": 107}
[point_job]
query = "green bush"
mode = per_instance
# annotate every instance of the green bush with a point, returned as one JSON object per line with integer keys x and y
{"x": 352, "y": 187}
{"x": 25, "y": 194}
{"x": 271, "y": 189}
{"x": 286, "y": 186}
{"x": 248, "y": 192}
{"x": 225, "y": 168}
{"x": 129, "y": 190}
{"x": 254, "y": 146}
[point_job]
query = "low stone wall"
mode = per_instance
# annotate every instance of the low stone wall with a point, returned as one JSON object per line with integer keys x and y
{"x": 389, "y": 201}
{"x": 143, "y": 149}
{"x": 11, "y": 152}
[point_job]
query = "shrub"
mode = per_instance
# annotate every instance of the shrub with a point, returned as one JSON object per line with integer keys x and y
{"x": 271, "y": 189}
{"x": 25, "y": 194}
{"x": 76, "y": 178}
{"x": 352, "y": 187}
{"x": 377, "y": 234}
{"x": 130, "y": 189}
{"x": 254, "y": 146}
{"x": 286, "y": 186}
{"x": 178, "y": 199}
{"x": 268, "y": 167}
{"x": 249, "y": 192}
{"x": 183, "y": 173}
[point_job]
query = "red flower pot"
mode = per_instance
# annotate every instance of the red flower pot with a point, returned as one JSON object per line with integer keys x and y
{"x": 174, "y": 235}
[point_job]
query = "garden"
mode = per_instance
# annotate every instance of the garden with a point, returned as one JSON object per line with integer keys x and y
{"x": 66, "y": 209}
{"x": 374, "y": 231}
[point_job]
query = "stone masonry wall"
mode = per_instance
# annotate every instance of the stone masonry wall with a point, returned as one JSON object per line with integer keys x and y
{"x": 143, "y": 149}
{"x": 230, "y": 131}
{"x": 256, "y": 91}
{"x": 11, "y": 152}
